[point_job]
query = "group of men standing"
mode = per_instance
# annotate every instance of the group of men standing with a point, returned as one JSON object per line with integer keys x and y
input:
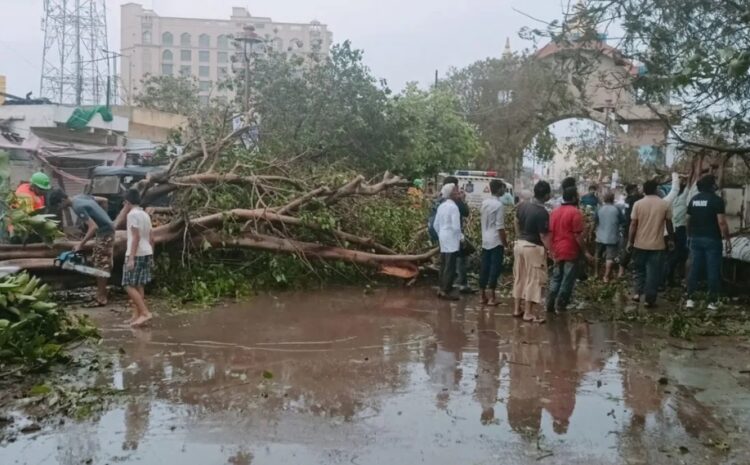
{"x": 656, "y": 233}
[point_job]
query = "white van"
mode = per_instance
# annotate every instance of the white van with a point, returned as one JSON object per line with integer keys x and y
{"x": 476, "y": 184}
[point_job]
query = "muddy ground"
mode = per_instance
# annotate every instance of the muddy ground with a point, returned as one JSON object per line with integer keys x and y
{"x": 397, "y": 377}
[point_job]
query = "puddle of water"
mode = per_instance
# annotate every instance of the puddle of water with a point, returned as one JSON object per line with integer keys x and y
{"x": 397, "y": 377}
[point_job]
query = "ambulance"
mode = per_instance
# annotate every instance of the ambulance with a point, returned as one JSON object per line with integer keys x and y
{"x": 476, "y": 185}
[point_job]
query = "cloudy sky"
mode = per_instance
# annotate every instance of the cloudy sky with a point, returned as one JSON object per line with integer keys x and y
{"x": 403, "y": 40}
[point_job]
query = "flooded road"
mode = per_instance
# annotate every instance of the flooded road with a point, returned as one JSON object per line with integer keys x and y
{"x": 339, "y": 377}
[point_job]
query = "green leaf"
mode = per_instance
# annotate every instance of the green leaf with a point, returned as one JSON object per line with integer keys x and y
{"x": 40, "y": 390}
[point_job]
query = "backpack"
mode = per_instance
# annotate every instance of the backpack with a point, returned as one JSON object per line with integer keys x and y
{"x": 431, "y": 220}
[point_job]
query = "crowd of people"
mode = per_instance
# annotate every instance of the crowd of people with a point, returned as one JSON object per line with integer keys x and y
{"x": 650, "y": 232}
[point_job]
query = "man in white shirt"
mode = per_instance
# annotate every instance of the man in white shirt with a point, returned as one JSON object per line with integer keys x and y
{"x": 139, "y": 257}
{"x": 447, "y": 224}
{"x": 494, "y": 242}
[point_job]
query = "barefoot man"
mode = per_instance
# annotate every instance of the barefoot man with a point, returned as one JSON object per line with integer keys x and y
{"x": 139, "y": 257}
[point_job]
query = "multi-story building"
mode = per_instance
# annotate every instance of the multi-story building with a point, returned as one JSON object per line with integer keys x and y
{"x": 203, "y": 48}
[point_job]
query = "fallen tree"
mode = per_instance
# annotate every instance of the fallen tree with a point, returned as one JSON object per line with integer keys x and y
{"x": 289, "y": 216}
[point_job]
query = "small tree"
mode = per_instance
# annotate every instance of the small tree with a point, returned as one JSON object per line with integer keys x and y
{"x": 170, "y": 94}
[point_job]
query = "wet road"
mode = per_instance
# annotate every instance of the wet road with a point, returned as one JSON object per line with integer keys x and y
{"x": 338, "y": 377}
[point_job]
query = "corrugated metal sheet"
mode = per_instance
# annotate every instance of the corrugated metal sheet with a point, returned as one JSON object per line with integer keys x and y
{"x": 741, "y": 248}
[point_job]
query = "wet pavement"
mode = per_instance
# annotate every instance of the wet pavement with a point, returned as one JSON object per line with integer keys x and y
{"x": 340, "y": 377}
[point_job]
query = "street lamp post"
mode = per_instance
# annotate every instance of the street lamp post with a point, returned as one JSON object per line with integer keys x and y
{"x": 248, "y": 39}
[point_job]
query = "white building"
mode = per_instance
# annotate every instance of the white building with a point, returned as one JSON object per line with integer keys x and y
{"x": 203, "y": 48}
{"x": 561, "y": 166}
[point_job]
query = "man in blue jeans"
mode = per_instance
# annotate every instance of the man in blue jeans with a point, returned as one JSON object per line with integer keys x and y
{"x": 568, "y": 243}
{"x": 707, "y": 225}
{"x": 494, "y": 242}
{"x": 650, "y": 216}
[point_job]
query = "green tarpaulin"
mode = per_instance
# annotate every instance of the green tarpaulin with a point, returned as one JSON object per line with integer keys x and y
{"x": 81, "y": 117}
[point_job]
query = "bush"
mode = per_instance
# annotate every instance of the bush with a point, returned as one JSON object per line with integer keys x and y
{"x": 33, "y": 330}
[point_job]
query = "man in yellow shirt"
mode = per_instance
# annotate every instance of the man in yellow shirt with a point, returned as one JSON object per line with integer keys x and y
{"x": 650, "y": 216}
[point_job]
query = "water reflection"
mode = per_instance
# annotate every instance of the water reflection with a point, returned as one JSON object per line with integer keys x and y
{"x": 138, "y": 407}
{"x": 488, "y": 367}
{"x": 293, "y": 368}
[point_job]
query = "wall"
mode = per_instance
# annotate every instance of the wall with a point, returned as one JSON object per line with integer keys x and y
{"x": 152, "y": 125}
{"x": 29, "y": 116}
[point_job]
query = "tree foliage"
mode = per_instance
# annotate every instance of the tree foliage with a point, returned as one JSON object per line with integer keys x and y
{"x": 692, "y": 52}
{"x": 511, "y": 101}
{"x": 335, "y": 111}
{"x": 597, "y": 156}
{"x": 434, "y": 136}
{"x": 170, "y": 94}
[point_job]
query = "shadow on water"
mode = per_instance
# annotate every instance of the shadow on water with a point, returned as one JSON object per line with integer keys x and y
{"x": 398, "y": 377}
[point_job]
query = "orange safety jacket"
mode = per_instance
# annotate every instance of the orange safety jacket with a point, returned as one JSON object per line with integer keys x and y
{"x": 27, "y": 199}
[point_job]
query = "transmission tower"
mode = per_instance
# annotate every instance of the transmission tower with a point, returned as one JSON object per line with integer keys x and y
{"x": 75, "y": 64}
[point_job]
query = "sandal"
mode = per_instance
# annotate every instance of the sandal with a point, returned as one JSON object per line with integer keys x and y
{"x": 94, "y": 304}
{"x": 535, "y": 319}
{"x": 518, "y": 315}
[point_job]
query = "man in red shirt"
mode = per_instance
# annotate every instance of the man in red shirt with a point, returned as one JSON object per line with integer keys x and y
{"x": 567, "y": 239}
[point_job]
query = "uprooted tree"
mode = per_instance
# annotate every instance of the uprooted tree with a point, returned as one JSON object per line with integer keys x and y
{"x": 303, "y": 175}
{"x": 225, "y": 196}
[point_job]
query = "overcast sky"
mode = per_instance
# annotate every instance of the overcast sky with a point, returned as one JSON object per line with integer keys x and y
{"x": 403, "y": 40}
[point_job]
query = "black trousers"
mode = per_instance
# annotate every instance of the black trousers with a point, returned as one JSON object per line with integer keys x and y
{"x": 447, "y": 271}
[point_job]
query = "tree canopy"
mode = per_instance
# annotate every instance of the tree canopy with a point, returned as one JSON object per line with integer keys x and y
{"x": 511, "y": 100}
{"x": 168, "y": 93}
{"x": 695, "y": 53}
{"x": 333, "y": 110}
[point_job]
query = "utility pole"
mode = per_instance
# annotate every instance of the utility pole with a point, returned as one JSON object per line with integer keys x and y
{"x": 248, "y": 39}
{"x": 114, "y": 77}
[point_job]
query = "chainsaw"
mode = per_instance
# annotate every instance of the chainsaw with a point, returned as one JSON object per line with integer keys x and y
{"x": 76, "y": 261}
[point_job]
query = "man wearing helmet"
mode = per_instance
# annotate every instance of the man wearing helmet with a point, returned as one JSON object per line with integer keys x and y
{"x": 31, "y": 195}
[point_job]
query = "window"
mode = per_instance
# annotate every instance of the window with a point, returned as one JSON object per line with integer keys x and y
{"x": 186, "y": 70}
{"x": 146, "y": 37}
{"x": 166, "y": 55}
{"x": 185, "y": 39}
{"x": 222, "y": 42}
{"x": 186, "y": 55}
{"x": 222, "y": 57}
{"x": 203, "y": 71}
{"x": 166, "y": 69}
{"x": 203, "y": 99}
{"x": 277, "y": 44}
{"x": 204, "y": 86}
{"x": 222, "y": 72}
{"x": 166, "y": 38}
{"x": 204, "y": 41}
{"x": 203, "y": 56}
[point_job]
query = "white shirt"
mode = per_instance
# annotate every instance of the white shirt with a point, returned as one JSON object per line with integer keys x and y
{"x": 493, "y": 220}
{"x": 448, "y": 226}
{"x": 140, "y": 221}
